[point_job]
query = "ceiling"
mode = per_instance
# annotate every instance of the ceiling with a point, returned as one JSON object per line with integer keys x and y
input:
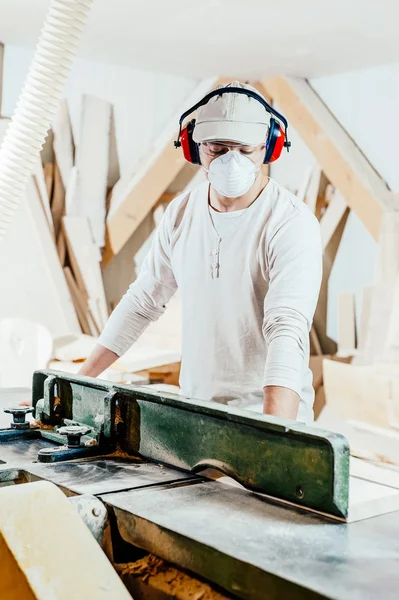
{"x": 241, "y": 38}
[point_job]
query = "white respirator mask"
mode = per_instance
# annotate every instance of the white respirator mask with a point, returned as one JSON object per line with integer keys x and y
{"x": 232, "y": 174}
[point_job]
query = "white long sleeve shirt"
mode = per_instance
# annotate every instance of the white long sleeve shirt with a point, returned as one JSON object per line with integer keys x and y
{"x": 248, "y": 293}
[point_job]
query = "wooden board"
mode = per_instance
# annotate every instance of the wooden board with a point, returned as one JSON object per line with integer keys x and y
{"x": 346, "y": 324}
{"x": 80, "y": 304}
{"x": 315, "y": 194}
{"x": 58, "y": 200}
{"x": 359, "y": 393}
{"x": 382, "y": 326}
{"x": 92, "y": 155}
{"x": 367, "y": 295}
{"x": 34, "y": 518}
{"x": 341, "y": 160}
{"x": 138, "y": 192}
{"x": 85, "y": 260}
{"x": 48, "y": 169}
{"x": 113, "y": 158}
{"x": 63, "y": 142}
{"x": 330, "y": 248}
{"x": 334, "y": 213}
{"x": 41, "y": 188}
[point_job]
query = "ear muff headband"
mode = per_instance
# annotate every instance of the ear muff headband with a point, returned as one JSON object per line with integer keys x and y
{"x": 277, "y": 138}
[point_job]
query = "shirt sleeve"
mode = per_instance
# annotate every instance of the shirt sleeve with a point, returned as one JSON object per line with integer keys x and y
{"x": 295, "y": 272}
{"x": 146, "y": 299}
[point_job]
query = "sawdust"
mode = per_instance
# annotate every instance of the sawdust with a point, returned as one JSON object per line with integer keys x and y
{"x": 37, "y": 424}
{"x": 118, "y": 418}
{"x": 160, "y": 575}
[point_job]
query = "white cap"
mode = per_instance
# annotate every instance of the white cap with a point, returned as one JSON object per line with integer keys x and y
{"x": 233, "y": 118}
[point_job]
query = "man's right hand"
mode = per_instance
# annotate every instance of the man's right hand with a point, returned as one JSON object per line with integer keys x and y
{"x": 100, "y": 359}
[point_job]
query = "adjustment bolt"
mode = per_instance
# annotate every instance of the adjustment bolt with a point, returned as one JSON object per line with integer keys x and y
{"x": 73, "y": 434}
{"x": 19, "y": 416}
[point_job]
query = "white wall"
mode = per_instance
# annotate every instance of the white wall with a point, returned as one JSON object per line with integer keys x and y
{"x": 144, "y": 101}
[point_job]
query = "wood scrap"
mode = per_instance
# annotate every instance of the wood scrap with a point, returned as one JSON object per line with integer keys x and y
{"x": 85, "y": 260}
{"x": 113, "y": 158}
{"x": 384, "y": 300}
{"x": 330, "y": 246}
{"x": 367, "y": 295}
{"x": 63, "y": 142}
{"x": 92, "y": 156}
{"x": 358, "y": 393}
{"x": 82, "y": 310}
{"x": 315, "y": 193}
{"x": 334, "y": 213}
{"x": 346, "y": 324}
{"x": 58, "y": 200}
{"x": 49, "y": 177}
{"x": 35, "y": 284}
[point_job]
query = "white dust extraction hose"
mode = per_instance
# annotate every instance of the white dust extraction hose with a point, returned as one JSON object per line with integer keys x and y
{"x": 39, "y": 100}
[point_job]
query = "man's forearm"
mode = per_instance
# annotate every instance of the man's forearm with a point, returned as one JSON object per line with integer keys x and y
{"x": 280, "y": 402}
{"x": 100, "y": 359}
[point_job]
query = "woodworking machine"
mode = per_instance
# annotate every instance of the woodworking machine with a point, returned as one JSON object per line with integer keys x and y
{"x": 148, "y": 457}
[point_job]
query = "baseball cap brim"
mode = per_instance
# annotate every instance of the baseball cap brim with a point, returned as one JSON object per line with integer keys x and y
{"x": 249, "y": 134}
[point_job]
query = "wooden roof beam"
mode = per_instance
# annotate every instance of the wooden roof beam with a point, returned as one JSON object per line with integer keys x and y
{"x": 343, "y": 163}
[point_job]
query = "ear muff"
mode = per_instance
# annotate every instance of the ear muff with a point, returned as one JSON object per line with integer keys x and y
{"x": 189, "y": 147}
{"x": 275, "y": 142}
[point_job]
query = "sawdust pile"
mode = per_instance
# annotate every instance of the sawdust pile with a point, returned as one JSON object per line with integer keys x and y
{"x": 163, "y": 577}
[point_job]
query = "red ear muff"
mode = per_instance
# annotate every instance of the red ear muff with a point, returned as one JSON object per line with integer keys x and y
{"x": 189, "y": 147}
{"x": 275, "y": 142}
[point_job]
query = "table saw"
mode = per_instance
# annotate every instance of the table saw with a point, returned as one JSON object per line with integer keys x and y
{"x": 146, "y": 456}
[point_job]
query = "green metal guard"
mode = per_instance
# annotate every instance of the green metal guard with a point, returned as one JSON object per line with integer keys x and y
{"x": 283, "y": 459}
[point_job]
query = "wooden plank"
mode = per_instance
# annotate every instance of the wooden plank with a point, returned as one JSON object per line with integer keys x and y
{"x": 29, "y": 516}
{"x": 315, "y": 347}
{"x": 138, "y": 192}
{"x": 358, "y": 393}
{"x": 92, "y": 155}
{"x": 335, "y": 151}
{"x": 79, "y": 302}
{"x": 383, "y": 311}
{"x": 315, "y": 194}
{"x": 58, "y": 200}
{"x": 48, "y": 169}
{"x": 61, "y": 248}
{"x": 346, "y": 324}
{"x": 332, "y": 217}
{"x": 64, "y": 149}
{"x": 330, "y": 246}
{"x": 367, "y": 295}
{"x": 85, "y": 260}
{"x": 41, "y": 190}
{"x": 113, "y": 158}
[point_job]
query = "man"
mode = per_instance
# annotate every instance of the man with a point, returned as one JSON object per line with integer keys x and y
{"x": 246, "y": 256}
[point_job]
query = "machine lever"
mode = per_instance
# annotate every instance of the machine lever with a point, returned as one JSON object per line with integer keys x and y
{"x": 74, "y": 433}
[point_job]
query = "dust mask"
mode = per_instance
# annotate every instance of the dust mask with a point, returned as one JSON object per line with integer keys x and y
{"x": 232, "y": 174}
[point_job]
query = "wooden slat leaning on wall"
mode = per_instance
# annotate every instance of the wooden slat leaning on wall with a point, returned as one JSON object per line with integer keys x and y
{"x": 137, "y": 193}
{"x": 338, "y": 156}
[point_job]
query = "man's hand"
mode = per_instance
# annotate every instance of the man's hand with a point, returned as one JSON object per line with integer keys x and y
{"x": 280, "y": 402}
{"x": 100, "y": 359}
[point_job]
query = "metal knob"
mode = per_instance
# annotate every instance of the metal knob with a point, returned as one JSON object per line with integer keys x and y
{"x": 74, "y": 433}
{"x": 19, "y": 416}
